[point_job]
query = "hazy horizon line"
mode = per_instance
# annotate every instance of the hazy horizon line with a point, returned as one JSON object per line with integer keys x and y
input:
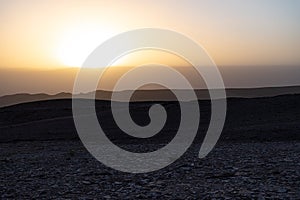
{"x": 157, "y": 89}
{"x": 49, "y": 68}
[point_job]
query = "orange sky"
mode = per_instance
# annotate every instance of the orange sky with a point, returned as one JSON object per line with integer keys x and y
{"x": 62, "y": 33}
{"x": 56, "y": 34}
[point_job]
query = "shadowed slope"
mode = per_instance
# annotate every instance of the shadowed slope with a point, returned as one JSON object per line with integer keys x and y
{"x": 263, "y": 119}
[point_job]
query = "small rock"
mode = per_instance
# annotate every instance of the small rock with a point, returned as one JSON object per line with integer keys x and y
{"x": 86, "y": 182}
{"x": 282, "y": 190}
{"x": 107, "y": 197}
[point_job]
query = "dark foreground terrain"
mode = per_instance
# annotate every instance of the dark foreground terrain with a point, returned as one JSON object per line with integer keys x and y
{"x": 257, "y": 155}
{"x": 53, "y": 169}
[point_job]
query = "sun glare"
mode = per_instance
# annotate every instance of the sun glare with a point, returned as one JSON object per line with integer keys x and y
{"x": 79, "y": 42}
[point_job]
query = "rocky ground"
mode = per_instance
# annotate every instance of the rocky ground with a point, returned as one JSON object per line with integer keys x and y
{"x": 257, "y": 155}
{"x": 64, "y": 169}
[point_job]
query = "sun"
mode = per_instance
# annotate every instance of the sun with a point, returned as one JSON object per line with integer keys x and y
{"x": 77, "y": 43}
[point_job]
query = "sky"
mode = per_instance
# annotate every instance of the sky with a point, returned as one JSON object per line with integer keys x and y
{"x": 240, "y": 36}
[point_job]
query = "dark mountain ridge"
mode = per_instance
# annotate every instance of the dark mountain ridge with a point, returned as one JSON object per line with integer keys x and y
{"x": 151, "y": 95}
{"x": 248, "y": 119}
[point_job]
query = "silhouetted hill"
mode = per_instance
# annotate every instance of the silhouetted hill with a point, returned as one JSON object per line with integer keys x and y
{"x": 262, "y": 119}
{"x": 152, "y": 95}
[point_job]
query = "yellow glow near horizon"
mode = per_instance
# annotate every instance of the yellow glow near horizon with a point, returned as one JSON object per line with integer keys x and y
{"x": 55, "y": 34}
{"x": 43, "y": 43}
{"x": 142, "y": 57}
{"x": 78, "y": 42}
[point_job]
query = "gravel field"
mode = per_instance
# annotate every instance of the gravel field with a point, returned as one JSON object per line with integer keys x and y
{"x": 64, "y": 169}
{"x": 257, "y": 155}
